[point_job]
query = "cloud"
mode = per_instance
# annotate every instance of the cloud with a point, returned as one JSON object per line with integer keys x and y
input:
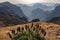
{"x": 27, "y": 2}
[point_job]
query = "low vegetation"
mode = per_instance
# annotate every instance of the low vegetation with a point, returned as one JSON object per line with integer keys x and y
{"x": 29, "y": 35}
{"x": 33, "y": 33}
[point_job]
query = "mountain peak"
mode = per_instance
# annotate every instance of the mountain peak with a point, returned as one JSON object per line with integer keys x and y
{"x": 5, "y": 2}
{"x": 17, "y": 10}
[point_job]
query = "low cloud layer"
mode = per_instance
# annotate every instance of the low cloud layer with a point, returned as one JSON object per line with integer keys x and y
{"x": 30, "y": 1}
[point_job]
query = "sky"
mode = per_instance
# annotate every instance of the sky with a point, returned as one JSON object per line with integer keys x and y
{"x": 30, "y": 1}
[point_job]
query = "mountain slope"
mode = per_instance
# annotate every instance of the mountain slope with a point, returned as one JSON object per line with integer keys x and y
{"x": 40, "y": 14}
{"x": 55, "y": 17}
{"x": 47, "y": 7}
{"x": 9, "y": 16}
{"x": 9, "y": 19}
{"x": 37, "y": 13}
{"x": 56, "y": 12}
{"x": 17, "y": 10}
{"x": 42, "y": 6}
{"x": 55, "y": 20}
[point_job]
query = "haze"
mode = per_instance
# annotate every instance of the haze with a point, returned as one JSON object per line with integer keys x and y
{"x": 30, "y": 1}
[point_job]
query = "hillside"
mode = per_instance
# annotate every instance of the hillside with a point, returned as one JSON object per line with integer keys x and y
{"x": 55, "y": 17}
{"x": 17, "y": 10}
{"x": 55, "y": 20}
{"x": 38, "y": 13}
{"x": 52, "y": 30}
{"x": 9, "y": 20}
{"x": 9, "y": 16}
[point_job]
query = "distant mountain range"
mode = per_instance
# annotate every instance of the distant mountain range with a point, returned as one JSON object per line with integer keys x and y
{"x": 42, "y": 6}
{"x": 22, "y": 12}
{"x": 38, "y": 13}
{"x": 46, "y": 15}
{"x": 55, "y": 16}
{"x": 36, "y": 8}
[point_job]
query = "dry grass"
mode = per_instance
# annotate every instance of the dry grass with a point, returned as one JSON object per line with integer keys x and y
{"x": 52, "y": 30}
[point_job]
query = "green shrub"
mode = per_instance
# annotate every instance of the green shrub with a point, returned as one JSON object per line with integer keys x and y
{"x": 29, "y": 35}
